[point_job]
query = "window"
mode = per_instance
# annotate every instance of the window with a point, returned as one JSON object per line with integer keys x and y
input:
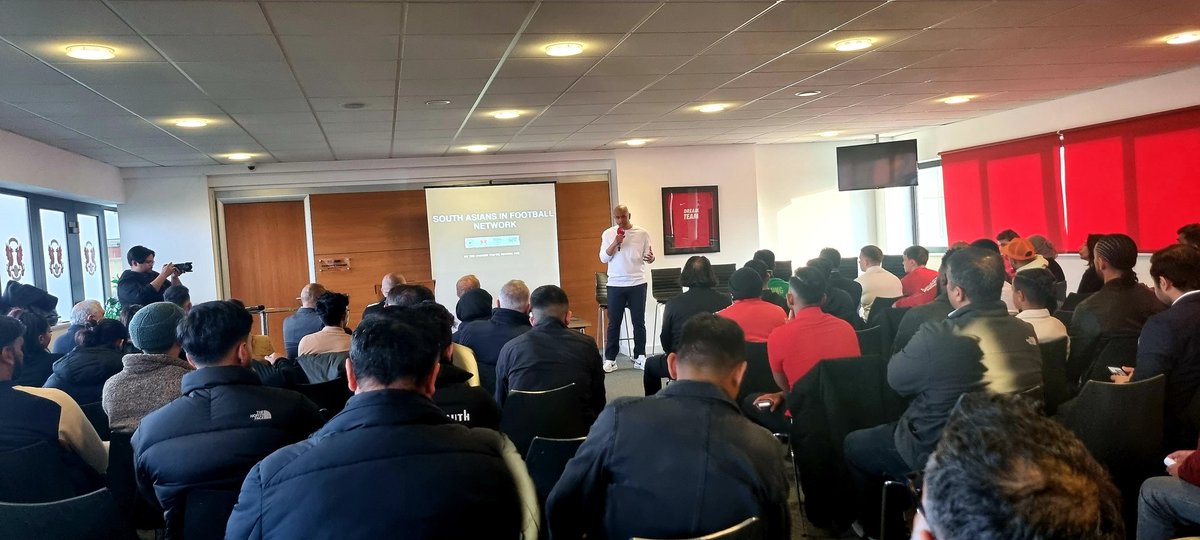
{"x": 113, "y": 253}
{"x": 14, "y": 231}
{"x": 931, "y": 206}
{"x": 56, "y": 258}
{"x": 91, "y": 257}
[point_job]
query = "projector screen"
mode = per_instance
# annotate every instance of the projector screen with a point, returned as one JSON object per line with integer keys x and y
{"x": 497, "y": 233}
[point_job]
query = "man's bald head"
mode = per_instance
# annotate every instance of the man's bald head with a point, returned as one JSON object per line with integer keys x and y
{"x": 465, "y": 284}
{"x": 390, "y": 281}
{"x": 310, "y": 293}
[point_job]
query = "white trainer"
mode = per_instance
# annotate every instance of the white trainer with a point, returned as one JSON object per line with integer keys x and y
{"x": 610, "y": 366}
{"x": 640, "y": 363}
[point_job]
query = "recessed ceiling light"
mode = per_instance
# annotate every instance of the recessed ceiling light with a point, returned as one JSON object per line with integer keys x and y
{"x": 477, "y": 148}
{"x": 1186, "y": 37}
{"x": 354, "y": 105}
{"x": 956, "y": 100}
{"x": 857, "y": 44}
{"x": 564, "y": 49}
{"x": 240, "y": 156}
{"x": 506, "y": 115}
{"x": 191, "y": 122}
{"x": 91, "y": 52}
{"x": 711, "y": 108}
{"x": 636, "y": 142}
{"x": 808, "y": 93}
{"x": 435, "y": 102}
{"x": 829, "y": 133}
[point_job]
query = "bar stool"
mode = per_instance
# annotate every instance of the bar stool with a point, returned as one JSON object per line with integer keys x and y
{"x": 664, "y": 284}
{"x": 602, "y": 314}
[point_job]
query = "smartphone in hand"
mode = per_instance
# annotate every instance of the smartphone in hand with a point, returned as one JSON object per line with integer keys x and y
{"x": 1117, "y": 371}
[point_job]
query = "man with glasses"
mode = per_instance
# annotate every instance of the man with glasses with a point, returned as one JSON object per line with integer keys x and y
{"x": 141, "y": 284}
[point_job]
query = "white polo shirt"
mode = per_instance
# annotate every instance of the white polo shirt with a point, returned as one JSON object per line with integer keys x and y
{"x": 626, "y": 267}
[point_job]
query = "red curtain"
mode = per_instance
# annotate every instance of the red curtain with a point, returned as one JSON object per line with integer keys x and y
{"x": 1139, "y": 176}
{"x": 1013, "y": 185}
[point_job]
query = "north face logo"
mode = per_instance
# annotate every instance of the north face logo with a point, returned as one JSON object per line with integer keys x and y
{"x": 261, "y": 415}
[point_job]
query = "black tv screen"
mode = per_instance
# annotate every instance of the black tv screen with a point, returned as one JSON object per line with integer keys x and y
{"x": 879, "y": 165}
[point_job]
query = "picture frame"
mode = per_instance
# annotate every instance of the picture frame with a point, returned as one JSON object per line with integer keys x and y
{"x": 691, "y": 220}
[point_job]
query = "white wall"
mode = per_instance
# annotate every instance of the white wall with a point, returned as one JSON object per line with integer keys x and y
{"x": 32, "y": 166}
{"x": 173, "y": 216}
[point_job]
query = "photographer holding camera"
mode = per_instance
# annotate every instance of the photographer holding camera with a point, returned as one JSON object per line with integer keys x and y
{"x": 141, "y": 284}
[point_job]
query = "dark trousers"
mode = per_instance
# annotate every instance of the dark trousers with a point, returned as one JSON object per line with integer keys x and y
{"x": 619, "y": 298}
{"x": 656, "y": 370}
{"x": 872, "y": 458}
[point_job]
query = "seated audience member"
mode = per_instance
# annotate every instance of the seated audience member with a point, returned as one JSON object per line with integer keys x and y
{"x": 775, "y": 284}
{"x": 979, "y": 347}
{"x": 1033, "y": 292}
{"x": 304, "y": 321}
{"x": 1006, "y": 293}
{"x": 469, "y": 405}
{"x": 1003, "y": 470}
{"x": 486, "y": 337}
{"x": 97, "y": 356}
{"x": 550, "y": 355}
{"x": 151, "y": 379}
{"x": 225, "y": 421}
{"x": 1190, "y": 234}
{"x": 919, "y": 283}
{"x": 680, "y": 464}
{"x": 1023, "y": 257}
{"x": 836, "y": 279}
{"x": 126, "y": 315}
{"x": 140, "y": 284}
{"x": 1002, "y": 239}
{"x": 1167, "y": 504}
{"x": 466, "y": 283}
{"x": 1170, "y": 341}
{"x": 332, "y": 308}
{"x": 1121, "y": 306}
{"x": 756, "y": 316}
{"x": 81, "y": 314}
{"x": 765, "y": 292}
{"x": 390, "y": 463}
{"x": 837, "y": 302}
{"x": 809, "y": 337}
{"x": 473, "y": 305}
{"x": 38, "y": 363}
{"x": 410, "y": 295}
{"x": 32, "y": 415}
{"x": 1090, "y": 281}
{"x": 936, "y": 310}
{"x": 180, "y": 296}
{"x": 699, "y": 278}
{"x": 386, "y": 285}
{"x": 1047, "y": 250}
{"x": 876, "y": 282}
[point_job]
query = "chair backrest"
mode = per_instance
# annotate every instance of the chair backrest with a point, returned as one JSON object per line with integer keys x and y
{"x": 783, "y": 270}
{"x": 664, "y": 283}
{"x": 98, "y": 418}
{"x": 878, "y": 310}
{"x": 723, "y": 273}
{"x": 555, "y": 414}
{"x": 35, "y": 474}
{"x": 870, "y": 341}
{"x": 1060, "y": 290}
{"x": 1055, "y": 388}
{"x": 602, "y": 288}
{"x": 122, "y": 483}
{"x": 894, "y": 264}
{"x": 750, "y": 529}
{"x": 546, "y": 460}
{"x": 1072, "y": 300}
{"x": 92, "y": 516}
{"x": 758, "y": 378}
{"x": 319, "y": 368}
{"x": 328, "y": 395}
{"x": 1120, "y": 424}
{"x": 1116, "y": 350}
{"x": 206, "y": 512}
{"x": 1064, "y": 316}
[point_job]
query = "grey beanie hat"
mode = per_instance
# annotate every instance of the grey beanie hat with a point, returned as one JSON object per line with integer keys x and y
{"x": 152, "y": 328}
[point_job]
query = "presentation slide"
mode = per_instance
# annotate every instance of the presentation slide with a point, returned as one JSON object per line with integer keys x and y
{"x": 497, "y": 233}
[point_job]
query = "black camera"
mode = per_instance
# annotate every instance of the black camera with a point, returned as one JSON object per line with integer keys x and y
{"x": 184, "y": 268}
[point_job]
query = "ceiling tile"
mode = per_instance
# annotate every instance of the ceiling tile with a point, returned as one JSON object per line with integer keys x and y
{"x": 336, "y": 18}
{"x": 466, "y": 17}
{"x": 212, "y": 48}
{"x": 355, "y": 48}
{"x": 762, "y": 42}
{"x": 534, "y": 45}
{"x": 665, "y": 44}
{"x": 913, "y": 15}
{"x": 632, "y": 65}
{"x": 820, "y": 16}
{"x": 169, "y": 17}
{"x": 451, "y": 47}
{"x": 588, "y": 17}
{"x": 705, "y": 17}
{"x": 412, "y": 68}
{"x": 59, "y": 17}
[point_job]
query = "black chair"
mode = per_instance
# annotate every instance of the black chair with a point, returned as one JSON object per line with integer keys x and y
{"x": 553, "y": 414}
{"x": 758, "y": 378}
{"x": 870, "y": 341}
{"x": 546, "y": 461}
{"x": 894, "y": 264}
{"x": 664, "y": 285}
{"x": 723, "y": 273}
{"x": 98, "y": 418}
{"x": 206, "y": 512}
{"x": 1064, "y": 316}
{"x": 1116, "y": 350}
{"x": 891, "y": 322}
{"x": 878, "y": 311}
{"x": 93, "y": 516}
{"x": 122, "y": 483}
{"x": 1072, "y": 300}
{"x": 319, "y": 368}
{"x": 331, "y": 396}
{"x": 1056, "y": 389}
{"x": 750, "y": 529}
{"x": 1060, "y": 291}
{"x": 35, "y": 474}
{"x": 783, "y": 270}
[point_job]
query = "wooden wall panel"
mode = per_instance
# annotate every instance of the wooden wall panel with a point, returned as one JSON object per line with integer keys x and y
{"x": 375, "y": 221}
{"x": 579, "y": 228}
{"x": 367, "y": 268}
{"x": 268, "y": 254}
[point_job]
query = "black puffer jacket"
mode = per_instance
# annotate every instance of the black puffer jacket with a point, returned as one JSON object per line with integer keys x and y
{"x": 81, "y": 373}
{"x": 36, "y": 369}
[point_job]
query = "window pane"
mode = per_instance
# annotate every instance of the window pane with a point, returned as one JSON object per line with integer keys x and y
{"x": 90, "y": 252}
{"x": 116, "y": 259}
{"x": 931, "y": 208}
{"x": 14, "y": 231}
{"x": 58, "y": 259}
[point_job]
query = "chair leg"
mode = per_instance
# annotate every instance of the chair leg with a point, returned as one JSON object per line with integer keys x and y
{"x": 883, "y": 507}
{"x": 650, "y": 337}
{"x": 629, "y": 331}
{"x": 601, "y": 325}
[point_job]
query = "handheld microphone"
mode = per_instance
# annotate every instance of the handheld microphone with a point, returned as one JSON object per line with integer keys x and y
{"x": 620, "y": 234}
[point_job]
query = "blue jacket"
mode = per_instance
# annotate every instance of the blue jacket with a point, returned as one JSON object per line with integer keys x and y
{"x": 551, "y": 356}
{"x": 66, "y": 342}
{"x": 487, "y": 337}
{"x": 303, "y": 322}
{"x": 208, "y": 438}
{"x": 679, "y": 464}
{"x": 1170, "y": 345}
{"x": 390, "y": 465}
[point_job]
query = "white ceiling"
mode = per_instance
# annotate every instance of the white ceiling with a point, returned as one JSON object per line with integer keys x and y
{"x": 272, "y": 76}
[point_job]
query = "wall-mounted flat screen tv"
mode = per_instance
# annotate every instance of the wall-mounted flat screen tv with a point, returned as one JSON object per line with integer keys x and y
{"x": 879, "y": 165}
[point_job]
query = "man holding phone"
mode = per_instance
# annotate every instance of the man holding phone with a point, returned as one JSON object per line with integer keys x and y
{"x": 625, "y": 249}
{"x": 141, "y": 284}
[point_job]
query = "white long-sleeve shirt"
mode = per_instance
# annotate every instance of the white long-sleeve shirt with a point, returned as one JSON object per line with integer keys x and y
{"x": 878, "y": 283}
{"x": 626, "y": 267}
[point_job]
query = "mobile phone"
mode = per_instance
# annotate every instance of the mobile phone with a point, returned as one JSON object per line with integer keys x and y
{"x": 763, "y": 404}
{"x": 1168, "y": 461}
{"x": 1117, "y": 370}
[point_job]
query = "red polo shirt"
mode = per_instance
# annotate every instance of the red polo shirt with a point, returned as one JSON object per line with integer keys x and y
{"x": 756, "y": 316}
{"x": 812, "y": 336}
{"x": 920, "y": 287}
